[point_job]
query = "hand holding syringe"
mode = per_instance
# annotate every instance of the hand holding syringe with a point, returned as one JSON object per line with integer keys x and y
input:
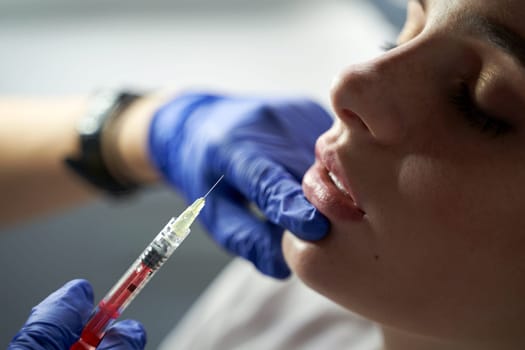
{"x": 138, "y": 275}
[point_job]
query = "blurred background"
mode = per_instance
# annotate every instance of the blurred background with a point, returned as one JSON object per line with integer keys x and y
{"x": 58, "y": 47}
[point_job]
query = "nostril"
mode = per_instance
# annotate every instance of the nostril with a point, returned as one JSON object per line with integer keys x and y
{"x": 353, "y": 119}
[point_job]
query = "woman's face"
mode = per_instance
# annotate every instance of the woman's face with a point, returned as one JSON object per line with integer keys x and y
{"x": 428, "y": 221}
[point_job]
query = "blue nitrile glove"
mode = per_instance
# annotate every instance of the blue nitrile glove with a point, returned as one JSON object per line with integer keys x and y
{"x": 263, "y": 146}
{"x": 57, "y": 321}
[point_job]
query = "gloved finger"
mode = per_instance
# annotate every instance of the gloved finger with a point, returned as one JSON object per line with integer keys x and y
{"x": 302, "y": 121}
{"x": 57, "y": 321}
{"x": 275, "y": 191}
{"x": 237, "y": 229}
{"x": 124, "y": 335}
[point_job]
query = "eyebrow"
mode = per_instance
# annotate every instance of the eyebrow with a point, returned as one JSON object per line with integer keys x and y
{"x": 498, "y": 35}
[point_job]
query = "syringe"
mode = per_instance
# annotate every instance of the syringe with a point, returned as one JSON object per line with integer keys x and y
{"x": 138, "y": 275}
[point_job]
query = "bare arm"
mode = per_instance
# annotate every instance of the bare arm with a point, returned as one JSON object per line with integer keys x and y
{"x": 35, "y": 136}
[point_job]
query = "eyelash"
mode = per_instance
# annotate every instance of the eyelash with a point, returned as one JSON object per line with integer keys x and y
{"x": 477, "y": 118}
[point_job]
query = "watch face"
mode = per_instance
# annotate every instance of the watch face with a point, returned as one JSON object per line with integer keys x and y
{"x": 101, "y": 107}
{"x": 88, "y": 126}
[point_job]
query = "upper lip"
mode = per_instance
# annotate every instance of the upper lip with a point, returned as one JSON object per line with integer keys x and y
{"x": 329, "y": 159}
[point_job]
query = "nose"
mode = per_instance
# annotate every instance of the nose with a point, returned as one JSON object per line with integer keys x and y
{"x": 375, "y": 98}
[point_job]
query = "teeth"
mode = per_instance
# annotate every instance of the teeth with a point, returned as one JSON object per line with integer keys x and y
{"x": 338, "y": 183}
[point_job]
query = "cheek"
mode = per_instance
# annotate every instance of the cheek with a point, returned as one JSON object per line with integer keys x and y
{"x": 446, "y": 206}
{"x": 460, "y": 198}
{"x": 428, "y": 188}
{"x": 466, "y": 219}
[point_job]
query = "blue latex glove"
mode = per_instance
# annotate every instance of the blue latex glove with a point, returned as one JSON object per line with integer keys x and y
{"x": 263, "y": 147}
{"x": 57, "y": 321}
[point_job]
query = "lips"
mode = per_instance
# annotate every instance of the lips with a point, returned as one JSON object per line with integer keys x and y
{"x": 327, "y": 190}
{"x": 338, "y": 184}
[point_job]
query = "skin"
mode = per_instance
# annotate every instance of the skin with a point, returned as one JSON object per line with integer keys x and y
{"x": 437, "y": 260}
{"x": 38, "y": 152}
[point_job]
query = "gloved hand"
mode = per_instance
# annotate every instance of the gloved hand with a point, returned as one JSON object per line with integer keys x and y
{"x": 263, "y": 146}
{"x": 57, "y": 321}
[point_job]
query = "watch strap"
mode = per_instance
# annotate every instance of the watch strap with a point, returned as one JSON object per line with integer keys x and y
{"x": 90, "y": 165}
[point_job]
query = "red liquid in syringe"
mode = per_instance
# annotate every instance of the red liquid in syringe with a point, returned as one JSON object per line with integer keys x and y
{"x": 110, "y": 307}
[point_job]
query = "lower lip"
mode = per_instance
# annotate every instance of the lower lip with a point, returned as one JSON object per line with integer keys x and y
{"x": 325, "y": 196}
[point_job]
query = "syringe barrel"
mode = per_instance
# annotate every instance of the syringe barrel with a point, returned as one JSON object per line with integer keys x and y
{"x": 128, "y": 287}
{"x": 137, "y": 276}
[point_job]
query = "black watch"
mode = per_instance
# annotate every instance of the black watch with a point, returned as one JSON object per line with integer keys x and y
{"x": 105, "y": 107}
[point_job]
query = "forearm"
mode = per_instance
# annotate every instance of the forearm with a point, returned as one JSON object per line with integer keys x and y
{"x": 36, "y": 134}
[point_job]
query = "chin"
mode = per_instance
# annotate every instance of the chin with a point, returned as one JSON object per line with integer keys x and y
{"x": 318, "y": 267}
{"x": 347, "y": 278}
{"x": 314, "y": 264}
{"x": 303, "y": 257}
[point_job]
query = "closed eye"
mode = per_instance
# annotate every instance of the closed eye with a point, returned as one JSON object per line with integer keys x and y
{"x": 475, "y": 116}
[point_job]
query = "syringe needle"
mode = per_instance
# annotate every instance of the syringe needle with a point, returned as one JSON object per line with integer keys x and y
{"x": 213, "y": 187}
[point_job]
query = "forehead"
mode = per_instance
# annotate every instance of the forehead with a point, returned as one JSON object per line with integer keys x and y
{"x": 503, "y": 10}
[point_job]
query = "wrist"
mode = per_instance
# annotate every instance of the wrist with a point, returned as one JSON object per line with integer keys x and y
{"x": 125, "y": 142}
